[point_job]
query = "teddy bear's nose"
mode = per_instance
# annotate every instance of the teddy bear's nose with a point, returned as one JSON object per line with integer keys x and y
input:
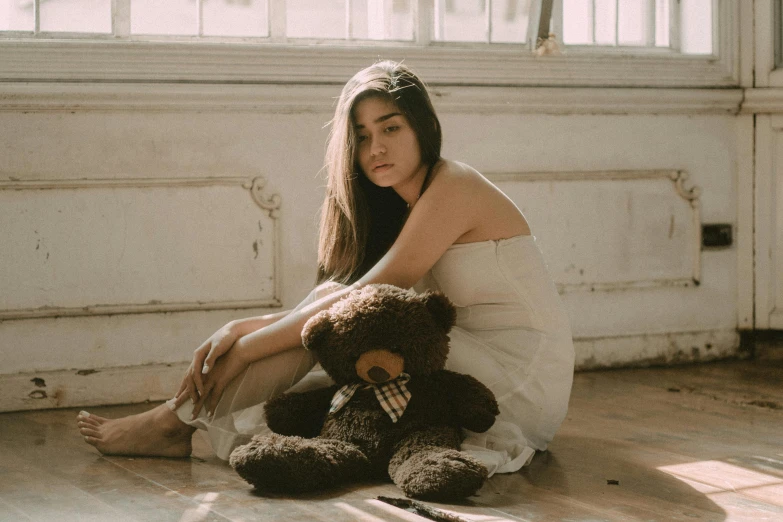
{"x": 378, "y": 374}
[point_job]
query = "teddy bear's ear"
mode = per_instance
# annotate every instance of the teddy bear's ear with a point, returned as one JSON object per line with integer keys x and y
{"x": 316, "y": 329}
{"x": 441, "y": 309}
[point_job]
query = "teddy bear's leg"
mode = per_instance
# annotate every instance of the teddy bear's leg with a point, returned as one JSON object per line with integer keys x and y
{"x": 285, "y": 464}
{"x": 428, "y": 464}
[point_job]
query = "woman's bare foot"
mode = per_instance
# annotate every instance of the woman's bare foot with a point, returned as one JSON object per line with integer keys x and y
{"x": 154, "y": 433}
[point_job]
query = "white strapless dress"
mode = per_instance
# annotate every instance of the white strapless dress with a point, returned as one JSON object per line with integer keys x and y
{"x": 511, "y": 333}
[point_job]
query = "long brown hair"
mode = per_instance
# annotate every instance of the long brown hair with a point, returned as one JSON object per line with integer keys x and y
{"x": 360, "y": 220}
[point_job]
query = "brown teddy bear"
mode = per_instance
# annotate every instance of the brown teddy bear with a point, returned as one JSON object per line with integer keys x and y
{"x": 393, "y": 412}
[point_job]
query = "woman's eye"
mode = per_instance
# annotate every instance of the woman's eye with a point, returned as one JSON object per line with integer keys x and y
{"x": 360, "y": 139}
{"x": 392, "y": 128}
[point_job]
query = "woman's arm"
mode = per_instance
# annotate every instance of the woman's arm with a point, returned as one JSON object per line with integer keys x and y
{"x": 439, "y": 218}
{"x": 250, "y": 324}
{"x": 205, "y": 356}
{"x": 445, "y": 212}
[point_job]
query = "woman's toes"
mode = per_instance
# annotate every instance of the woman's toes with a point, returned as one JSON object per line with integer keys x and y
{"x": 91, "y": 440}
{"x": 97, "y": 419}
{"x": 90, "y": 432}
{"x": 81, "y": 421}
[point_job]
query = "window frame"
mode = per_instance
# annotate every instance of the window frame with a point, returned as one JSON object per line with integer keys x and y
{"x": 768, "y": 31}
{"x": 235, "y": 61}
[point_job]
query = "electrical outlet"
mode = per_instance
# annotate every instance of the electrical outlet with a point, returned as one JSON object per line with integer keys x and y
{"x": 716, "y": 235}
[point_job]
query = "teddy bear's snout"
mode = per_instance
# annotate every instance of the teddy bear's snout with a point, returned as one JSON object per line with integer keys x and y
{"x": 378, "y": 366}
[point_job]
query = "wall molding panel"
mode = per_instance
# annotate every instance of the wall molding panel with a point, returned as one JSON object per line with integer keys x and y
{"x": 613, "y": 197}
{"x": 156, "y": 193}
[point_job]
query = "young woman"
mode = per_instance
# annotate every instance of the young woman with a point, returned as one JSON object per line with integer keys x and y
{"x": 395, "y": 212}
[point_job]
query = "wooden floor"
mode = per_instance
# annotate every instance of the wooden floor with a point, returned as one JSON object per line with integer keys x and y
{"x": 687, "y": 443}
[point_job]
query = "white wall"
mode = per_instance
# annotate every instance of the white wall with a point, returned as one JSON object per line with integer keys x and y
{"x": 105, "y": 351}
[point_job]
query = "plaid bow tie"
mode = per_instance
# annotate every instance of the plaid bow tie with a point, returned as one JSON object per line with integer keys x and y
{"x": 392, "y": 395}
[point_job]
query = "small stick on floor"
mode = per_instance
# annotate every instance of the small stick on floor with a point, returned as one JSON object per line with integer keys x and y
{"x": 422, "y": 509}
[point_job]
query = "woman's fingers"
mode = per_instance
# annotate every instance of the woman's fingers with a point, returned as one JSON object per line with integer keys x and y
{"x": 180, "y": 399}
{"x": 215, "y": 351}
{"x": 197, "y": 408}
{"x": 213, "y": 399}
{"x": 193, "y": 391}
{"x": 200, "y": 403}
{"x": 183, "y": 387}
{"x": 198, "y": 363}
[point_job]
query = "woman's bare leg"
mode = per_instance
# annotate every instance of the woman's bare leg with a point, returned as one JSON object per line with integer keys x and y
{"x": 162, "y": 432}
{"x": 155, "y": 433}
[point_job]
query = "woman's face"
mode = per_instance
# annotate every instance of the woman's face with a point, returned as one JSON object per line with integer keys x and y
{"x": 387, "y": 149}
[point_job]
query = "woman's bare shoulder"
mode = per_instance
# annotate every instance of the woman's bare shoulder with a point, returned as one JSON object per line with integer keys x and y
{"x": 455, "y": 168}
{"x": 450, "y": 175}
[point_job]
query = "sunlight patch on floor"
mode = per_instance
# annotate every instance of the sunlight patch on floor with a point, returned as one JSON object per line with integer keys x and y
{"x": 739, "y": 491}
{"x": 202, "y": 511}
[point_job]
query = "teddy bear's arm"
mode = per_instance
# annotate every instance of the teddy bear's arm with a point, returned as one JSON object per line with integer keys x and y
{"x": 472, "y": 404}
{"x": 299, "y": 414}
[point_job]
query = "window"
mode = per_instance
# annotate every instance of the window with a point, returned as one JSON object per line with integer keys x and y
{"x": 486, "y": 21}
{"x": 671, "y": 43}
{"x": 684, "y": 26}
{"x": 679, "y": 25}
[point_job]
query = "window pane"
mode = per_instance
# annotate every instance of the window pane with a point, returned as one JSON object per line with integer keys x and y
{"x": 16, "y": 16}
{"x": 510, "y": 20}
{"x": 382, "y": 19}
{"x": 177, "y": 17}
{"x": 577, "y": 22}
{"x": 606, "y": 22}
{"x": 696, "y": 23}
{"x": 632, "y": 23}
{"x": 461, "y": 20}
{"x": 81, "y": 16}
{"x": 315, "y": 19}
{"x": 235, "y": 18}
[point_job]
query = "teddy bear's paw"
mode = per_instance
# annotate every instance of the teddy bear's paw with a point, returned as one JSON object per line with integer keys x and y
{"x": 440, "y": 475}
{"x": 283, "y": 464}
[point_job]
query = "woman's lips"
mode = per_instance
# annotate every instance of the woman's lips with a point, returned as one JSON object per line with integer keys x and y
{"x": 382, "y": 168}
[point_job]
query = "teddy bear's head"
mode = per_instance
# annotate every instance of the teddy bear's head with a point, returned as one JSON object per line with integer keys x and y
{"x": 378, "y": 331}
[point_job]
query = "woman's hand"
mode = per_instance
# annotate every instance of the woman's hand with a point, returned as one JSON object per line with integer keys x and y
{"x": 224, "y": 371}
{"x": 204, "y": 359}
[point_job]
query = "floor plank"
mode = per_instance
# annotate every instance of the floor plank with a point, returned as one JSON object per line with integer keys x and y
{"x": 700, "y": 442}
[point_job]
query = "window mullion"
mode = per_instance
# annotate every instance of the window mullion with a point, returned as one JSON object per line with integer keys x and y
{"x": 674, "y": 25}
{"x": 421, "y": 33}
{"x": 200, "y": 13}
{"x": 277, "y": 20}
{"x": 120, "y": 18}
{"x": 437, "y": 18}
{"x": 557, "y": 20}
{"x": 650, "y": 40}
{"x": 488, "y": 20}
{"x": 617, "y": 23}
{"x": 348, "y": 20}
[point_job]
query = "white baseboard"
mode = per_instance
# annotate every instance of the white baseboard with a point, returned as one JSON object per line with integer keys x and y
{"x": 156, "y": 382}
{"x": 655, "y": 349}
{"x": 74, "y": 388}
